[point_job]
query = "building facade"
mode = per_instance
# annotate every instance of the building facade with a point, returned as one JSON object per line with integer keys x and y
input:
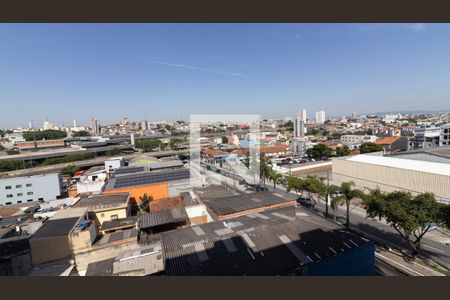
{"x": 444, "y": 139}
{"x": 320, "y": 117}
{"x": 354, "y": 141}
{"x": 394, "y": 174}
{"x": 43, "y": 187}
{"x": 426, "y": 136}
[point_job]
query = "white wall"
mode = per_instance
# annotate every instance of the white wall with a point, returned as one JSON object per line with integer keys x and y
{"x": 45, "y": 187}
{"x": 114, "y": 163}
{"x": 90, "y": 187}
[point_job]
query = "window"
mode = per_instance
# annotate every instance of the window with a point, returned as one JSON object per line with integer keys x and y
{"x": 8, "y": 187}
{"x": 114, "y": 217}
{"x": 28, "y": 185}
{"x": 19, "y": 194}
{"x": 8, "y": 203}
{"x": 18, "y": 186}
{"x": 19, "y": 202}
{"x": 40, "y": 199}
{"x": 9, "y": 196}
{"x": 29, "y": 193}
{"x": 30, "y": 200}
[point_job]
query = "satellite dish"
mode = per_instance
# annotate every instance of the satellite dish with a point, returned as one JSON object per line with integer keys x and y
{"x": 72, "y": 262}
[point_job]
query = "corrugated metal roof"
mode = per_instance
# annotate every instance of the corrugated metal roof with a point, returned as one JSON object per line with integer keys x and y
{"x": 240, "y": 203}
{"x": 152, "y": 219}
{"x": 268, "y": 245}
{"x": 401, "y": 163}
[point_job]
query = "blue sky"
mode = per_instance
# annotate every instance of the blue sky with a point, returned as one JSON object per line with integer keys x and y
{"x": 77, "y": 71}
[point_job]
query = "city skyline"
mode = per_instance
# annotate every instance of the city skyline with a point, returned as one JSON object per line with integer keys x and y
{"x": 67, "y": 72}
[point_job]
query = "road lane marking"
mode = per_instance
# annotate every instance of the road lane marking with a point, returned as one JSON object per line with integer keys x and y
{"x": 433, "y": 248}
{"x": 399, "y": 264}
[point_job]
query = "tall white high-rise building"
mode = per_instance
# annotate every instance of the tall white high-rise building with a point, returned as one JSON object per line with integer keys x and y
{"x": 302, "y": 115}
{"x": 144, "y": 125}
{"x": 299, "y": 124}
{"x": 320, "y": 117}
{"x": 94, "y": 126}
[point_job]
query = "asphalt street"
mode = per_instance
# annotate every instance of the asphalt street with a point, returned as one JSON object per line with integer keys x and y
{"x": 434, "y": 250}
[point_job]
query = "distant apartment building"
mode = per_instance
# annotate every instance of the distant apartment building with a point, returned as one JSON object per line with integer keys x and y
{"x": 354, "y": 141}
{"x": 298, "y": 146}
{"x": 47, "y": 125}
{"x": 444, "y": 138}
{"x": 320, "y": 117}
{"x": 94, "y": 126}
{"x": 43, "y": 187}
{"x": 390, "y": 118}
{"x": 299, "y": 124}
{"x": 302, "y": 115}
{"x": 426, "y": 136}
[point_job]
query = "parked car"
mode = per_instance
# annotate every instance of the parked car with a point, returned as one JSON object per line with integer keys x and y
{"x": 432, "y": 225}
{"x": 306, "y": 202}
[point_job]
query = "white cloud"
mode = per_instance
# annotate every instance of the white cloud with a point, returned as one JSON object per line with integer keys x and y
{"x": 419, "y": 27}
{"x": 195, "y": 68}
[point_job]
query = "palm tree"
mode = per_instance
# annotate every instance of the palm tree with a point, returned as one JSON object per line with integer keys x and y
{"x": 347, "y": 194}
{"x": 333, "y": 192}
{"x": 275, "y": 177}
{"x": 264, "y": 169}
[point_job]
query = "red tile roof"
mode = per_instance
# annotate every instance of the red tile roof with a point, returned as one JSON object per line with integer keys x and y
{"x": 387, "y": 140}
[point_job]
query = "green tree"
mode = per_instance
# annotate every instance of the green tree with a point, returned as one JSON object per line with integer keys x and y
{"x": 319, "y": 151}
{"x": 12, "y": 152}
{"x": 311, "y": 185}
{"x": 2, "y": 133}
{"x": 264, "y": 169}
{"x": 347, "y": 194}
{"x": 69, "y": 170}
{"x": 145, "y": 202}
{"x": 148, "y": 145}
{"x": 445, "y": 214}
{"x": 343, "y": 151}
{"x": 275, "y": 177}
{"x": 49, "y": 134}
{"x": 68, "y": 158}
{"x": 370, "y": 147}
{"x": 10, "y": 165}
{"x": 336, "y": 199}
{"x": 297, "y": 185}
{"x": 411, "y": 216}
{"x": 115, "y": 151}
{"x": 81, "y": 133}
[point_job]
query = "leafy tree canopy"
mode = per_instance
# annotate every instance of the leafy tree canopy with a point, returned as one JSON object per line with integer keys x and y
{"x": 370, "y": 147}
{"x": 81, "y": 133}
{"x": 343, "y": 151}
{"x": 69, "y": 170}
{"x": 319, "y": 151}
{"x": 411, "y": 216}
{"x": 49, "y": 134}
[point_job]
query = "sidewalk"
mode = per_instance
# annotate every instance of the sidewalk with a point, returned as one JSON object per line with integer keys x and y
{"x": 416, "y": 268}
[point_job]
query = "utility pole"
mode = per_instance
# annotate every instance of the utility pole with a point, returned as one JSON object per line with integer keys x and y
{"x": 328, "y": 194}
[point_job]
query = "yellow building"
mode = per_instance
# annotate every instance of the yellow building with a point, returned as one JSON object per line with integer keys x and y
{"x": 106, "y": 207}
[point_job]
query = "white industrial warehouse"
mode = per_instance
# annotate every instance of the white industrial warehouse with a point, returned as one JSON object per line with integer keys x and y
{"x": 393, "y": 174}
